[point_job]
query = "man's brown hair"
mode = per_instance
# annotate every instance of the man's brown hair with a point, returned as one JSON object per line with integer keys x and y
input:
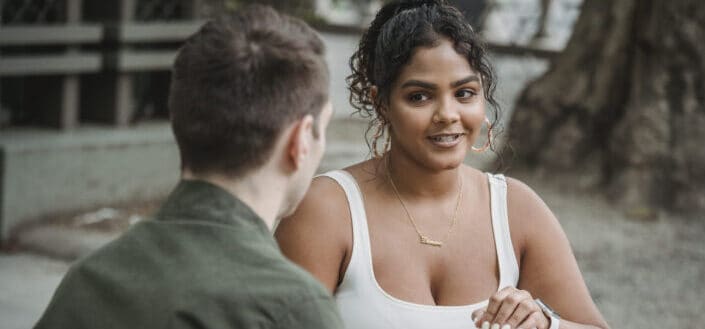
{"x": 238, "y": 82}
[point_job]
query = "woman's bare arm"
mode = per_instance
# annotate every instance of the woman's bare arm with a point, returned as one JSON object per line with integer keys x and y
{"x": 548, "y": 270}
{"x": 318, "y": 236}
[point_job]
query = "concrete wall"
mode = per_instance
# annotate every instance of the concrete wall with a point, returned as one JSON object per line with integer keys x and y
{"x": 54, "y": 171}
{"x": 47, "y": 172}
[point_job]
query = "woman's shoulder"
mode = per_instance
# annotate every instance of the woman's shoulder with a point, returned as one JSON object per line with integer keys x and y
{"x": 528, "y": 214}
{"x": 364, "y": 170}
{"x": 522, "y": 199}
{"x": 321, "y": 215}
{"x": 324, "y": 196}
{"x": 519, "y": 195}
{"x": 318, "y": 236}
{"x": 326, "y": 184}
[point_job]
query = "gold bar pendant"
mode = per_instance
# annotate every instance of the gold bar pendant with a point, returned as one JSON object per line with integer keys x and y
{"x": 430, "y": 242}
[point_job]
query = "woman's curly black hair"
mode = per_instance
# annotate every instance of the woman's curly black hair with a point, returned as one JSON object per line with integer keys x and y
{"x": 388, "y": 44}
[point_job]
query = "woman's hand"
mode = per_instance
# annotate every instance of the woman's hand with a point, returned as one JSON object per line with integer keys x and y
{"x": 511, "y": 308}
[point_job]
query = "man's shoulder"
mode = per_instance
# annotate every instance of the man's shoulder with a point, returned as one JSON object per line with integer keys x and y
{"x": 283, "y": 279}
{"x": 305, "y": 303}
{"x": 151, "y": 271}
{"x": 264, "y": 289}
{"x": 295, "y": 297}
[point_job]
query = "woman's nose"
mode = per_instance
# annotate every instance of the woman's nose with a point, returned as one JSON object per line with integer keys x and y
{"x": 446, "y": 112}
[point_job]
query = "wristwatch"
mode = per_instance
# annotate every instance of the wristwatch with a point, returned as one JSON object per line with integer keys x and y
{"x": 554, "y": 318}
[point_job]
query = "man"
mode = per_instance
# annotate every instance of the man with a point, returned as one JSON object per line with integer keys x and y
{"x": 249, "y": 108}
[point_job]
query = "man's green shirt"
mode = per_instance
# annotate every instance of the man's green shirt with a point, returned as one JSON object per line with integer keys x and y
{"x": 205, "y": 261}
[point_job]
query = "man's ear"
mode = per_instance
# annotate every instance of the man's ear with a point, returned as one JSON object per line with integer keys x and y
{"x": 300, "y": 139}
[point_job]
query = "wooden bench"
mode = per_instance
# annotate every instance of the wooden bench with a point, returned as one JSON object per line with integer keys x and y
{"x": 129, "y": 34}
{"x": 21, "y": 55}
{"x": 96, "y": 85}
{"x": 140, "y": 48}
{"x": 69, "y": 62}
{"x": 52, "y": 49}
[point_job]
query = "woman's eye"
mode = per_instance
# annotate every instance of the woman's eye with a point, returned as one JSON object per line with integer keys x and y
{"x": 465, "y": 93}
{"x": 418, "y": 97}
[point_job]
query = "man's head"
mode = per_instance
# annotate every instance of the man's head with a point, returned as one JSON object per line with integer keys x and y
{"x": 239, "y": 83}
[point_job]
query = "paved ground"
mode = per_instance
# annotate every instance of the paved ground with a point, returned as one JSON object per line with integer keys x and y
{"x": 642, "y": 273}
{"x": 27, "y": 282}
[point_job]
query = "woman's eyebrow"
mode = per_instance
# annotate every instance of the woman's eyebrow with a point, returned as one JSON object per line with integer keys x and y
{"x": 418, "y": 83}
{"x": 465, "y": 80}
{"x": 428, "y": 85}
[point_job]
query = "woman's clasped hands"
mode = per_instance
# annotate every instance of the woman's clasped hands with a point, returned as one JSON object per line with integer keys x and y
{"x": 511, "y": 308}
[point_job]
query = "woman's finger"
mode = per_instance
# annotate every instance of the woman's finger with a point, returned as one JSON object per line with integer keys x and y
{"x": 495, "y": 303}
{"x": 476, "y": 316}
{"x": 534, "y": 320}
{"x": 511, "y": 304}
{"x": 525, "y": 308}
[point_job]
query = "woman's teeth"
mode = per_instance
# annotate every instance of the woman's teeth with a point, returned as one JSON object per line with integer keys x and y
{"x": 444, "y": 138}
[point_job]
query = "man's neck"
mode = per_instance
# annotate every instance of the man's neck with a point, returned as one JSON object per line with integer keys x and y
{"x": 262, "y": 192}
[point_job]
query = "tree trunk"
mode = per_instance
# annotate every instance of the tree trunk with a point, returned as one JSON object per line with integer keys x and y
{"x": 626, "y": 99}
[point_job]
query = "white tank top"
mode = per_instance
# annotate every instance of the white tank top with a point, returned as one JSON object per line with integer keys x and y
{"x": 364, "y": 305}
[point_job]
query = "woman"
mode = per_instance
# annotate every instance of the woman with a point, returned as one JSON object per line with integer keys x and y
{"x": 414, "y": 238}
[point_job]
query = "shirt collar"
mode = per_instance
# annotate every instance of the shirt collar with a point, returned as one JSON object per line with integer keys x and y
{"x": 204, "y": 201}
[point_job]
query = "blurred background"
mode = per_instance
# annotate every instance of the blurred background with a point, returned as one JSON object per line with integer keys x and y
{"x": 602, "y": 112}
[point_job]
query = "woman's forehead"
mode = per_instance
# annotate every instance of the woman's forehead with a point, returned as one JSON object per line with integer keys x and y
{"x": 441, "y": 62}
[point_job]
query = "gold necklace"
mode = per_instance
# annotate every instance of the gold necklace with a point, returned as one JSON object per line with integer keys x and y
{"x": 422, "y": 238}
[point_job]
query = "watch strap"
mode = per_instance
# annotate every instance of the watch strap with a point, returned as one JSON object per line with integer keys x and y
{"x": 552, "y": 316}
{"x": 555, "y": 323}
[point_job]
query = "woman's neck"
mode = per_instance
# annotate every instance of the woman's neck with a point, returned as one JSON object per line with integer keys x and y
{"x": 416, "y": 181}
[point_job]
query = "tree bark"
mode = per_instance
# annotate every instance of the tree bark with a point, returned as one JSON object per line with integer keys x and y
{"x": 625, "y": 99}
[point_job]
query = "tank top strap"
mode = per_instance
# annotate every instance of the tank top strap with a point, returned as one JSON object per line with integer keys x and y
{"x": 360, "y": 256}
{"x": 508, "y": 266}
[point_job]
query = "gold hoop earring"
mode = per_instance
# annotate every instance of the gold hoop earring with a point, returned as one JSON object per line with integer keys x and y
{"x": 388, "y": 142}
{"x": 381, "y": 125}
{"x": 489, "y": 138}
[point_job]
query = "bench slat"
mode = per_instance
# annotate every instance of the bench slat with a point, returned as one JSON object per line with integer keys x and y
{"x": 157, "y": 32}
{"x": 147, "y": 60}
{"x": 18, "y": 35}
{"x": 50, "y": 64}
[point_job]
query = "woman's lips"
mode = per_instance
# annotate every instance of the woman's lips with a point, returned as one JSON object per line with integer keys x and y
{"x": 446, "y": 140}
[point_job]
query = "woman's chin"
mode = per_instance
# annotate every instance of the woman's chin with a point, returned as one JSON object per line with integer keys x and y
{"x": 452, "y": 165}
{"x": 447, "y": 162}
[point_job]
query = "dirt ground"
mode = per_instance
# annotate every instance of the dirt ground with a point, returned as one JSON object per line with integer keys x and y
{"x": 642, "y": 273}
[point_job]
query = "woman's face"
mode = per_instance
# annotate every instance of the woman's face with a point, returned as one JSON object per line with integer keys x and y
{"x": 436, "y": 107}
